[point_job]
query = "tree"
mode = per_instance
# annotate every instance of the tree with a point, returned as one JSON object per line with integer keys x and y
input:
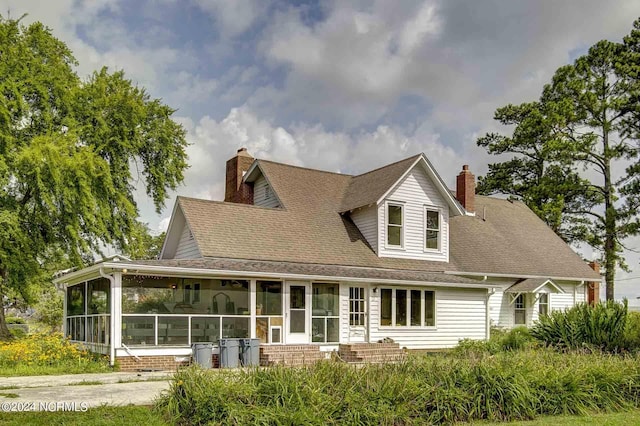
{"x": 70, "y": 150}
{"x": 545, "y": 182}
{"x": 143, "y": 245}
{"x": 587, "y": 149}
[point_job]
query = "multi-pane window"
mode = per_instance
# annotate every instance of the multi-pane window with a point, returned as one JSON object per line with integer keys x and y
{"x": 543, "y": 304}
{"x": 520, "y": 310}
{"x": 356, "y": 306}
{"x": 407, "y": 308}
{"x": 394, "y": 225}
{"x": 432, "y": 229}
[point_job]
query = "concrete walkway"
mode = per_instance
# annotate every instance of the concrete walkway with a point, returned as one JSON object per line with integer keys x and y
{"x": 44, "y": 392}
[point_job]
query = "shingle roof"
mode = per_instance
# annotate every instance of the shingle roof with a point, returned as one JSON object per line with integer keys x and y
{"x": 368, "y": 188}
{"x": 529, "y": 285}
{"x": 503, "y": 238}
{"x": 308, "y": 269}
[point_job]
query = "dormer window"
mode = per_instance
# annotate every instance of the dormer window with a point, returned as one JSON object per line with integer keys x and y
{"x": 432, "y": 228}
{"x": 395, "y": 220}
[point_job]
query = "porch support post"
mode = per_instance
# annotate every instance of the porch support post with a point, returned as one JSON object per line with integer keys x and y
{"x": 65, "y": 330}
{"x": 487, "y": 309}
{"x": 116, "y": 314}
{"x": 252, "y": 308}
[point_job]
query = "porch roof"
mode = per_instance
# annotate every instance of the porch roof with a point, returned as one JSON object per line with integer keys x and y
{"x": 533, "y": 285}
{"x": 272, "y": 269}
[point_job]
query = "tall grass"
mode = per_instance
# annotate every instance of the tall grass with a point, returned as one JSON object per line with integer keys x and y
{"x": 442, "y": 388}
{"x": 601, "y": 327}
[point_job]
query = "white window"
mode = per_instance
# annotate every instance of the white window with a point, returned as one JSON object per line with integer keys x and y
{"x": 520, "y": 310}
{"x": 395, "y": 219}
{"x": 432, "y": 228}
{"x": 543, "y": 304}
{"x": 356, "y": 306}
{"x": 407, "y": 308}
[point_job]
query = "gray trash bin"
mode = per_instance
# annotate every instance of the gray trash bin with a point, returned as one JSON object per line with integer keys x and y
{"x": 250, "y": 352}
{"x": 229, "y": 353}
{"x": 202, "y": 353}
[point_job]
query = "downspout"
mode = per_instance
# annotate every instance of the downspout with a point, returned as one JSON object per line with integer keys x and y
{"x": 487, "y": 320}
{"x": 112, "y": 320}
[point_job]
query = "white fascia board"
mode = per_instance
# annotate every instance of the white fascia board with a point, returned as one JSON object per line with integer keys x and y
{"x": 197, "y": 272}
{"x": 253, "y": 169}
{"x": 170, "y": 227}
{"x": 554, "y": 285}
{"x": 437, "y": 180}
{"x": 493, "y": 275}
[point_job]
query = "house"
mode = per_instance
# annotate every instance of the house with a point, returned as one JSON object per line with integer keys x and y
{"x": 310, "y": 261}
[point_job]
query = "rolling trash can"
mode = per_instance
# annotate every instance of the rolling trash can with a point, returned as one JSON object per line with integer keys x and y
{"x": 250, "y": 352}
{"x": 229, "y": 353}
{"x": 202, "y": 354}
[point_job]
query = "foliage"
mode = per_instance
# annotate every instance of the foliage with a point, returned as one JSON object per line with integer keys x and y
{"x": 518, "y": 338}
{"x": 601, "y": 327}
{"x": 439, "y": 388}
{"x": 49, "y": 309}
{"x": 47, "y": 354}
{"x": 143, "y": 245}
{"x": 587, "y": 119}
{"x": 15, "y": 320}
{"x": 632, "y": 331}
{"x": 71, "y": 150}
{"x": 99, "y": 416}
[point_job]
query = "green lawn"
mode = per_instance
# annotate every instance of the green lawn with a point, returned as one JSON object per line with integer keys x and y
{"x": 132, "y": 415}
{"x": 125, "y": 416}
{"x": 611, "y": 419}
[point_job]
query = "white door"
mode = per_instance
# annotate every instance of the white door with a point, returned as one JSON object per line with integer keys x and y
{"x": 297, "y": 308}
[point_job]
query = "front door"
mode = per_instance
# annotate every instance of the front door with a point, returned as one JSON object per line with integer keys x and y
{"x": 297, "y": 312}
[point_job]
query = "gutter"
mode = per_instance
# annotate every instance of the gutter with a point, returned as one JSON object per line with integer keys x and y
{"x": 484, "y": 274}
{"x": 112, "y": 319}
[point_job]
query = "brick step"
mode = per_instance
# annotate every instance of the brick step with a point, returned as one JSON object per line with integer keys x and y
{"x": 289, "y": 348}
{"x": 291, "y": 358}
{"x": 373, "y": 359}
{"x": 349, "y": 346}
{"x": 373, "y": 351}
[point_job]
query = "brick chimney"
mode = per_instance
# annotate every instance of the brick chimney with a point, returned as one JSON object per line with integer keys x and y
{"x": 593, "y": 288}
{"x": 466, "y": 189}
{"x": 235, "y": 191}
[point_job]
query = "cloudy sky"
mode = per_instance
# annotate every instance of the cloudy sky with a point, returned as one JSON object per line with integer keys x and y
{"x": 342, "y": 86}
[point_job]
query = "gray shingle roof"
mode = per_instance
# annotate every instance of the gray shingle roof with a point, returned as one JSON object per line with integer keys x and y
{"x": 529, "y": 285}
{"x": 503, "y": 238}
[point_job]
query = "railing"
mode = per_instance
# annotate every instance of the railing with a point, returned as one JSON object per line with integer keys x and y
{"x": 180, "y": 329}
{"x": 91, "y": 328}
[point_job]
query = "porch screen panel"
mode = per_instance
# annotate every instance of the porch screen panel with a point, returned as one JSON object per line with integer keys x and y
{"x": 75, "y": 300}
{"x": 173, "y": 331}
{"x": 269, "y": 309}
{"x": 99, "y": 296}
{"x": 416, "y": 307}
{"x": 138, "y": 330}
{"x": 205, "y": 329}
{"x": 325, "y": 316}
{"x": 429, "y": 308}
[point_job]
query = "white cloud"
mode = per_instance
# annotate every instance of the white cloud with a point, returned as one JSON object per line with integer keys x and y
{"x": 234, "y": 17}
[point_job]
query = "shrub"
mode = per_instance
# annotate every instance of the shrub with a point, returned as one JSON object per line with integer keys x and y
{"x": 37, "y": 351}
{"x": 517, "y": 338}
{"x": 632, "y": 331}
{"x": 601, "y": 326}
{"x": 439, "y": 388}
{"x": 15, "y": 320}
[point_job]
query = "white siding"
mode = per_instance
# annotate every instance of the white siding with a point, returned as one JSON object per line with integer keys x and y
{"x": 263, "y": 195}
{"x": 415, "y": 192}
{"x": 366, "y": 221}
{"x": 502, "y": 312}
{"x": 460, "y": 314}
{"x": 187, "y": 248}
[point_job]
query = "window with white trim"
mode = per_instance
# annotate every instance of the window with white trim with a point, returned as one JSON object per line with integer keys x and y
{"x": 520, "y": 310}
{"x": 395, "y": 219}
{"x": 356, "y": 306}
{"x": 431, "y": 228}
{"x": 543, "y": 304}
{"x": 401, "y": 307}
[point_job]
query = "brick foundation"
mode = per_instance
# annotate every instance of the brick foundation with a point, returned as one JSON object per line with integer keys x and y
{"x": 157, "y": 362}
